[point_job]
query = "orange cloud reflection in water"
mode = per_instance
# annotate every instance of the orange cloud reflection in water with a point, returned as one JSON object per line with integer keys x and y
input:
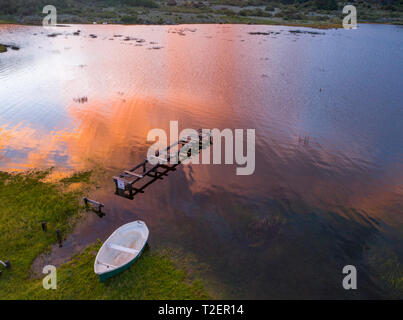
{"x": 107, "y": 139}
{"x": 127, "y": 97}
{"x": 37, "y": 147}
{"x": 112, "y": 139}
{"x": 205, "y": 79}
{"x": 330, "y": 191}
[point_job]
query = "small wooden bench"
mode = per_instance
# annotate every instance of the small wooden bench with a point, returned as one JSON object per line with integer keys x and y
{"x": 94, "y": 203}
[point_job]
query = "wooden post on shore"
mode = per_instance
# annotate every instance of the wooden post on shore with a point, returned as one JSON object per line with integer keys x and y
{"x": 59, "y": 238}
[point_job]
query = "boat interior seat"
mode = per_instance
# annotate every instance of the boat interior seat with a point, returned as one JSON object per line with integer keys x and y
{"x": 123, "y": 249}
{"x": 106, "y": 264}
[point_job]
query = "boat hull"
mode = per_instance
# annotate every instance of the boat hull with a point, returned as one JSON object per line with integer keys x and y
{"x": 106, "y": 275}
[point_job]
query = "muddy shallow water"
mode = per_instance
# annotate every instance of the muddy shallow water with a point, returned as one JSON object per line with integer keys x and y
{"x": 327, "y": 109}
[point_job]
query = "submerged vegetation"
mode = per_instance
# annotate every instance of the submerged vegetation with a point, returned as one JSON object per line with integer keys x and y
{"x": 78, "y": 177}
{"x": 4, "y": 47}
{"x": 296, "y": 12}
{"x": 385, "y": 264}
{"x": 27, "y": 200}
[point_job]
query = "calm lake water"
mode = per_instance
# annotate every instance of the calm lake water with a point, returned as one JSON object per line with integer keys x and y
{"x": 327, "y": 108}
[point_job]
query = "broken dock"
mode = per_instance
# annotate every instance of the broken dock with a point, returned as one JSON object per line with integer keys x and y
{"x": 164, "y": 160}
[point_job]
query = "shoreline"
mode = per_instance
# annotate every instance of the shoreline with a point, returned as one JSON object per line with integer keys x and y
{"x": 301, "y": 25}
{"x": 310, "y": 14}
{"x": 57, "y": 201}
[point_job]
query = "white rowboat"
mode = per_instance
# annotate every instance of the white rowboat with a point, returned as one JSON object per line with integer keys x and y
{"x": 121, "y": 249}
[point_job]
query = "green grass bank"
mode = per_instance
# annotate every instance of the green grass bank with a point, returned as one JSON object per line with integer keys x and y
{"x": 27, "y": 199}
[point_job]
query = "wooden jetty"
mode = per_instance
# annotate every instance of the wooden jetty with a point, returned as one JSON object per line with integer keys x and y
{"x": 124, "y": 181}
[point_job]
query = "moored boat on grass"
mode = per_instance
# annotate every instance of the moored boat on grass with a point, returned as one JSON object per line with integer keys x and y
{"x": 121, "y": 249}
